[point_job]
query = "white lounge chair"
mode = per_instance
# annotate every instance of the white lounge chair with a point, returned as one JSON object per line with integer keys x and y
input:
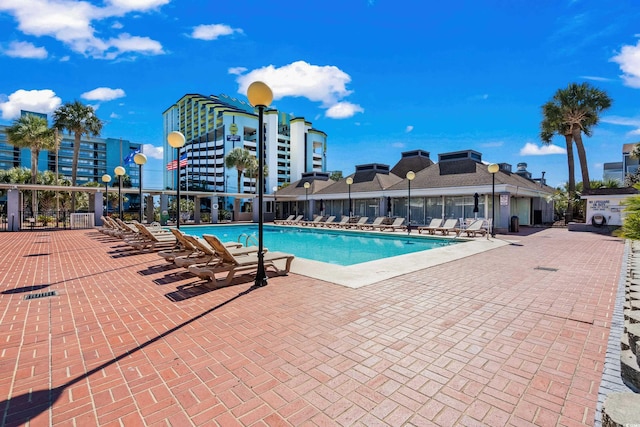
{"x": 376, "y": 222}
{"x": 473, "y": 229}
{"x": 432, "y": 227}
{"x": 284, "y": 221}
{"x": 448, "y": 226}
{"x": 232, "y": 264}
{"x": 397, "y": 224}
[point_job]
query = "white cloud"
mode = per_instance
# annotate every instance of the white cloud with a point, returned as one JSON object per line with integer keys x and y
{"x": 70, "y": 22}
{"x": 65, "y": 58}
{"x": 114, "y": 116}
{"x": 103, "y": 94}
{"x": 39, "y": 101}
{"x": 595, "y": 78}
{"x": 408, "y": 129}
{"x": 213, "y": 31}
{"x": 531, "y": 149}
{"x": 137, "y": 5}
{"x": 324, "y": 84}
{"x": 25, "y": 50}
{"x": 629, "y": 61}
{"x": 236, "y": 70}
{"x": 128, "y": 43}
{"x": 117, "y": 25}
{"x": 152, "y": 151}
{"x": 398, "y": 145}
{"x": 624, "y": 121}
{"x": 343, "y": 110}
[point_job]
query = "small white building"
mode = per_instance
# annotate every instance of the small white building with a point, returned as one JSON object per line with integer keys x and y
{"x": 604, "y": 205}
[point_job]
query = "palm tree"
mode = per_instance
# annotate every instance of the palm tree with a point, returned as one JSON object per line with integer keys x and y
{"x": 78, "y": 119}
{"x": 32, "y": 132}
{"x": 552, "y": 124}
{"x": 572, "y": 112}
{"x": 577, "y": 110}
{"x": 251, "y": 171}
{"x": 239, "y": 158}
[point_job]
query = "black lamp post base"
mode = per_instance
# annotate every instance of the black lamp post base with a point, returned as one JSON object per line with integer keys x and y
{"x": 261, "y": 275}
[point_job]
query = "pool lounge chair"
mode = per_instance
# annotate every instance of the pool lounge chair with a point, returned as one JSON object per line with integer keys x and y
{"x": 339, "y": 224}
{"x": 296, "y": 220}
{"x": 473, "y": 229}
{"x": 362, "y": 221}
{"x": 376, "y": 222}
{"x": 182, "y": 248}
{"x": 318, "y": 219}
{"x": 206, "y": 256}
{"x": 432, "y": 227}
{"x": 328, "y": 223}
{"x": 283, "y": 221}
{"x": 448, "y": 226}
{"x": 151, "y": 238}
{"x": 232, "y": 264}
{"x": 397, "y": 224}
{"x": 108, "y": 225}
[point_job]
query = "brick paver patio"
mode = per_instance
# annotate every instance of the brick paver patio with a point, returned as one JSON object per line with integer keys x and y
{"x": 513, "y": 336}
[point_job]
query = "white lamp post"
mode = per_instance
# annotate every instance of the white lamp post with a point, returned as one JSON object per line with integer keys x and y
{"x": 306, "y": 200}
{"x": 493, "y": 169}
{"x": 349, "y": 182}
{"x": 119, "y": 171}
{"x": 176, "y": 140}
{"x": 106, "y": 178}
{"x": 260, "y": 95}
{"x": 410, "y": 176}
{"x": 140, "y": 159}
{"x": 275, "y": 202}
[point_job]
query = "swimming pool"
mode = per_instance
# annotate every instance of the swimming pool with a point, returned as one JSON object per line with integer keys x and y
{"x": 338, "y": 247}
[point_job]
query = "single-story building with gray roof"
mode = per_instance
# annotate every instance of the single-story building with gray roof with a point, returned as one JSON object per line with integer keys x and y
{"x": 446, "y": 189}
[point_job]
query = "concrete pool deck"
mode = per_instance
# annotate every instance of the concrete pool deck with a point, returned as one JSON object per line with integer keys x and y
{"x": 367, "y": 273}
{"x": 516, "y": 335}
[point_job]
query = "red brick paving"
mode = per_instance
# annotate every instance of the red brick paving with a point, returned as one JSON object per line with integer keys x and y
{"x": 490, "y": 340}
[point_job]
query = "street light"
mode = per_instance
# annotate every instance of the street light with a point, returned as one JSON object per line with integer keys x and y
{"x": 106, "y": 178}
{"x": 410, "y": 176}
{"x": 275, "y": 202}
{"x": 140, "y": 159}
{"x": 349, "y": 182}
{"x": 176, "y": 140}
{"x": 493, "y": 169}
{"x": 306, "y": 199}
{"x": 119, "y": 171}
{"x": 260, "y": 96}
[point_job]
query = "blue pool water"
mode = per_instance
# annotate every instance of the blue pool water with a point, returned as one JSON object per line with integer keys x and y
{"x": 339, "y": 247}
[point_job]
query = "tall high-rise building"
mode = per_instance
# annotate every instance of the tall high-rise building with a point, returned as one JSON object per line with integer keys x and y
{"x": 215, "y": 125}
{"x": 98, "y": 156}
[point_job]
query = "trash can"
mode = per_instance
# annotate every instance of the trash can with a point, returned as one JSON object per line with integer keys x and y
{"x": 164, "y": 217}
{"x": 515, "y": 224}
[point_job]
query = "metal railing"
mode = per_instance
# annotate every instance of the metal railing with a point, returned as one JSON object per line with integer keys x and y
{"x": 44, "y": 220}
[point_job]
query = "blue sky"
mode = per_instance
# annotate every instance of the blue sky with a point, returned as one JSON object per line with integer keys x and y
{"x": 378, "y": 76}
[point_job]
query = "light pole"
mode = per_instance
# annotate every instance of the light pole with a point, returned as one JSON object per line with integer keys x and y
{"x": 140, "y": 159}
{"x": 119, "y": 171}
{"x": 493, "y": 169}
{"x": 275, "y": 202}
{"x": 410, "y": 176}
{"x": 106, "y": 178}
{"x": 306, "y": 200}
{"x": 260, "y": 96}
{"x": 349, "y": 182}
{"x": 176, "y": 140}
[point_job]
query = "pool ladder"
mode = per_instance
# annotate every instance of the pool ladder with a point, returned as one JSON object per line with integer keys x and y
{"x": 247, "y": 239}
